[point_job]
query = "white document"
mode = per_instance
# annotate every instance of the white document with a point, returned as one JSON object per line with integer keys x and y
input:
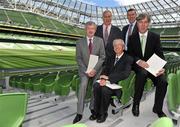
{"x": 111, "y": 86}
{"x": 155, "y": 64}
{"x": 93, "y": 59}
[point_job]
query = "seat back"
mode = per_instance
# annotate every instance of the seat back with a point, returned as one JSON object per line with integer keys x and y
{"x": 172, "y": 92}
{"x": 13, "y": 108}
{"x": 162, "y": 122}
{"x": 178, "y": 86}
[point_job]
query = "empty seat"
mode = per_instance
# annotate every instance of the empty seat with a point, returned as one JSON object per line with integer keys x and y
{"x": 63, "y": 83}
{"x": 13, "y": 109}
{"x": 47, "y": 83}
{"x": 75, "y": 125}
{"x": 162, "y": 122}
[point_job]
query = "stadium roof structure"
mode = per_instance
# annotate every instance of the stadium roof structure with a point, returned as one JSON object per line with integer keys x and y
{"x": 164, "y": 13}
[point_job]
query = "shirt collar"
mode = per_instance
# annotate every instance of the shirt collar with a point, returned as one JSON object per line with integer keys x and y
{"x": 89, "y": 38}
{"x": 133, "y": 23}
{"x": 145, "y": 34}
{"x": 109, "y": 26}
{"x": 120, "y": 55}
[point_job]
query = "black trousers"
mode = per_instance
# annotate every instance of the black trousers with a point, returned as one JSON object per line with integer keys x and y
{"x": 160, "y": 83}
{"x": 102, "y": 98}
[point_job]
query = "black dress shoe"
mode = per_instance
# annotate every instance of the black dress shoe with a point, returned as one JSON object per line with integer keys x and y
{"x": 135, "y": 110}
{"x": 159, "y": 113}
{"x": 93, "y": 117}
{"x": 77, "y": 118}
{"x": 102, "y": 118}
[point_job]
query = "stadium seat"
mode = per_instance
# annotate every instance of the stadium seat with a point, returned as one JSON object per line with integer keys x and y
{"x": 178, "y": 85}
{"x": 162, "y": 122}
{"x": 13, "y": 109}
{"x": 63, "y": 83}
{"x": 127, "y": 88}
{"x": 47, "y": 83}
{"x": 73, "y": 82}
{"x": 172, "y": 92}
{"x": 1, "y": 90}
{"x": 75, "y": 125}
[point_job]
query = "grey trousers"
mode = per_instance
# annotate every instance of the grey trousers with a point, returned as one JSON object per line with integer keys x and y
{"x": 82, "y": 93}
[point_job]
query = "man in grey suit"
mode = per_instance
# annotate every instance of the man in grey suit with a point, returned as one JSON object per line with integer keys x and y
{"x": 86, "y": 46}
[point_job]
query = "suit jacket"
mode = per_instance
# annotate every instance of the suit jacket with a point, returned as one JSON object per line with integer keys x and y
{"x": 152, "y": 46}
{"x": 82, "y": 54}
{"x": 115, "y": 33}
{"x": 125, "y": 29}
{"x": 120, "y": 70}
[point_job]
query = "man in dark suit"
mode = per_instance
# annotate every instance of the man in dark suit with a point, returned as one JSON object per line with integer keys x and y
{"x": 131, "y": 28}
{"x": 117, "y": 67}
{"x": 142, "y": 45}
{"x": 108, "y": 32}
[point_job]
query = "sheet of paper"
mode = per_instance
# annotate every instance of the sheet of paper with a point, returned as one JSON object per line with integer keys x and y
{"x": 93, "y": 59}
{"x": 111, "y": 86}
{"x": 155, "y": 64}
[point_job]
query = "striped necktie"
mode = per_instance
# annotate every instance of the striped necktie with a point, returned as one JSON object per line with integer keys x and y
{"x": 90, "y": 46}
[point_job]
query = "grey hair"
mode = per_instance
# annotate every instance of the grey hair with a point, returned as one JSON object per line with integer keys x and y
{"x": 89, "y": 23}
{"x": 120, "y": 41}
{"x": 107, "y": 11}
{"x": 143, "y": 16}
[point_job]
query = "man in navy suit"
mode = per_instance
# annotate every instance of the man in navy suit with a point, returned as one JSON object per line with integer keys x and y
{"x": 142, "y": 45}
{"x": 117, "y": 67}
{"x": 131, "y": 28}
{"x": 108, "y": 33}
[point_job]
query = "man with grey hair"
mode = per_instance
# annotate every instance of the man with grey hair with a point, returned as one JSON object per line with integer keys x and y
{"x": 142, "y": 45}
{"x": 117, "y": 67}
{"x": 84, "y": 48}
{"x": 108, "y": 32}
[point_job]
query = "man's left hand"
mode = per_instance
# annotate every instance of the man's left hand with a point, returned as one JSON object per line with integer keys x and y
{"x": 92, "y": 73}
{"x": 160, "y": 72}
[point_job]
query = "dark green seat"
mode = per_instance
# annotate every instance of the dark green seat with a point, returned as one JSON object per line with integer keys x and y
{"x": 24, "y": 81}
{"x": 47, "y": 83}
{"x": 13, "y": 109}
{"x": 19, "y": 81}
{"x": 63, "y": 83}
{"x": 73, "y": 82}
{"x": 36, "y": 82}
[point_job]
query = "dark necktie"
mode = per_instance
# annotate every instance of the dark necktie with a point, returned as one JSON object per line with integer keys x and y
{"x": 130, "y": 30}
{"x": 90, "y": 46}
{"x": 106, "y": 35}
{"x": 116, "y": 60}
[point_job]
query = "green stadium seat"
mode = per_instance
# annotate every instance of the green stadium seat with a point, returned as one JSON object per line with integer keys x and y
{"x": 162, "y": 122}
{"x": 47, "y": 83}
{"x": 75, "y": 125}
{"x": 149, "y": 85}
{"x": 127, "y": 88}
{"x": 36, "y": 82}
{"x": 1, "y": 91}
{"x": 73, "y": 82}
{"x": 172, "y": 92}
{"x": 13, "y": 109}
{"x": 19, "y": 82}
{"x": 178, "y": 85}
{"x": 63, "y": 83}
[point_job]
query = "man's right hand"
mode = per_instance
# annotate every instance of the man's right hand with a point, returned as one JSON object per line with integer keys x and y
{"x": 142, "y": 64}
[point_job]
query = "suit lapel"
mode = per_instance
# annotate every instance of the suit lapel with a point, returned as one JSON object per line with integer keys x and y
{"x": 111, "y": 32}
{"x": 94, "y": 45}
{"x": 86, "y": 48}
{"x": 139, "y": 45}
{"x": 147, "y": 43}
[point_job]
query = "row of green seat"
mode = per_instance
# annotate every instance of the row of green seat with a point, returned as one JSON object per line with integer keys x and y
{"x": 58, "y": 82}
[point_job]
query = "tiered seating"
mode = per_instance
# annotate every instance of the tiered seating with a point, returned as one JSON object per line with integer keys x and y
{"x": 34, "y": 21}
{"x": 58, "y": 82}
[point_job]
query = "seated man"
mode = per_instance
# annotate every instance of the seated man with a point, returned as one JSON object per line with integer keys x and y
{"x": 116, "y": 68}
